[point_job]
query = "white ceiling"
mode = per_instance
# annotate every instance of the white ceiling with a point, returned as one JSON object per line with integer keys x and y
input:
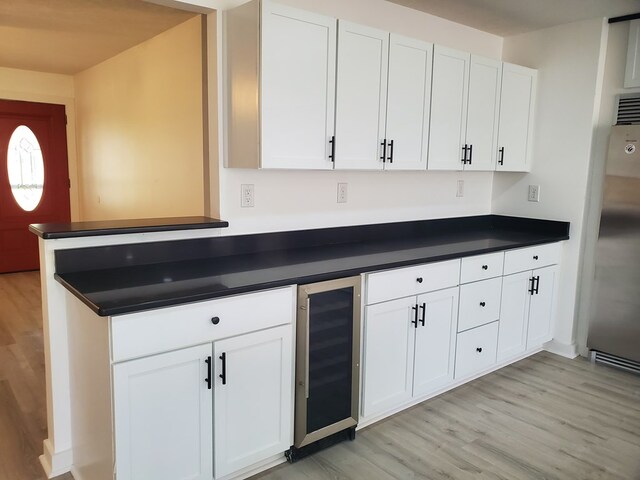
{"x": 511, "y": 17}
{"x": 68, "y": 36}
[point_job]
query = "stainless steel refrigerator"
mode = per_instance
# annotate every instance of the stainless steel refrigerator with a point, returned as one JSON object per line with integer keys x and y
{"x": 614, "y": 329}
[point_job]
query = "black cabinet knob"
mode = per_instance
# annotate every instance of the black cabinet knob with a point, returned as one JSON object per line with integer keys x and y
{"x": 485, "y": 267}
{"x": 215, "y": 320}
{"x": 535, "y": 257}
{"x": 482, "y": 304}
{"x": 419, "y": 279}
{"x": 479, "y": 349}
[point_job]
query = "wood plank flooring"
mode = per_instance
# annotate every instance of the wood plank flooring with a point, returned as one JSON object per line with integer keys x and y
{"x": 545, "y": 417}
{"x": 23, "y": 409}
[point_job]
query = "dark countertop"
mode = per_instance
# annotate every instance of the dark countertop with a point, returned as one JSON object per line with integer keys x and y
{"x": 246, "y": 265}
{"x": 114, "y": 227}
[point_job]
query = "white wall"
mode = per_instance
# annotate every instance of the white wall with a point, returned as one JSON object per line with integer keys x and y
{"x": 295, "y": 199}
{"x": 613, "y": 85}
{"x": 570, "y": 63}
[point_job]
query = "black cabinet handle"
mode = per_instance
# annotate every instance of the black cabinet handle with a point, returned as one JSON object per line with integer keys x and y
{"x": 470, "y": 154}
{"x": 464, "y": 154}
{"x": 215, "y": 320}
{"x": 501, "y": 161}
{"x": 390, "y": 157}
{"x": 423, "y": 307}
{"x": 535, "y": 257}
{"x": 419, "y": 279}
{"x": 537, "y": 285}
{"x": 332, "y": 142}
{"x": 223, "y": 375}
{"x": 383, "y": 144}
{"x": 479, "y": 349}
{"x": 208, "y": 379}
{"x": 415, "y": 316}
{"x": 482, "y": 304}
{"x": 532, "y": 282}
{"x": 485, "y": 267}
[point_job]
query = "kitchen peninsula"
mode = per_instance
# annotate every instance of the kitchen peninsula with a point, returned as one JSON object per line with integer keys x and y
{"x": 185, "y": 307}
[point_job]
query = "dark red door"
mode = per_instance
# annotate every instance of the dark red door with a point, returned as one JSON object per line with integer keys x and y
{"x": 34, "y": 178}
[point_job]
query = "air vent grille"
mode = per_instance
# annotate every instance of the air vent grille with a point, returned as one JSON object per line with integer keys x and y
{"x": 615, "y": 361}
{"x": 628, "y": 110}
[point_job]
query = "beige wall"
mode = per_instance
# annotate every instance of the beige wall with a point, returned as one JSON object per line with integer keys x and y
{"x": 47, "y": 88}
{"x": 140, "y": 130}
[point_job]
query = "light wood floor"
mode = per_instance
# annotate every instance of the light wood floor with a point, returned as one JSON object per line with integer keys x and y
{"x": 545, "y": 417}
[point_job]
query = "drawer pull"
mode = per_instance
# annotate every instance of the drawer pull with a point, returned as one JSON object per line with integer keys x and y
{"x": 485, "y": 267}
{"x": 423, "y": 307}
{"x": 535, "y": 257}
{"x": 419, "y": 279}
{"x": 215, "y": 320}
{"x": 479, "y": 349}
{"x": 482, "y": 304}
{"x": 208, "y": 379}
{"x": 223, "y": 375}
{"x": 415, "y": 317}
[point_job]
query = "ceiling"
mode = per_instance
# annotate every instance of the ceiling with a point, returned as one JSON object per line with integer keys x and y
{"x": 511, "y": 17}
{"x": 68, "y": 36}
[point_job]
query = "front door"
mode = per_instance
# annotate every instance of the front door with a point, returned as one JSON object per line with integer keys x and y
{"x": 34, "y": 178}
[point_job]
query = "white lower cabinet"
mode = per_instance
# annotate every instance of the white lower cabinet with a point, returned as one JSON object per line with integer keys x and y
{"x": 162, "y": 416}
{"x": 252, "y": 394}
{"x": 408, "y": 348}
{"x": 476, "y": 349}
{"x": 211, "y": 410}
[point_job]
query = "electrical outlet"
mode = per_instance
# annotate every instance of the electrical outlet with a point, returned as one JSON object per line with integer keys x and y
{"x": 246, "y": 195}
{"x": 342, "y": 193}
{"x": 460, "y": 188}
{"x": 534, "y": 193}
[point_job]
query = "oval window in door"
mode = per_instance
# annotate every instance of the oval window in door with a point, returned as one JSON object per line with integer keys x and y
{"x": 26, "y": 168}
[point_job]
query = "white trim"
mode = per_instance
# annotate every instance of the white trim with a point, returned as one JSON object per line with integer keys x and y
{"x": 567, "y": 350}
{"x": 55, "y": 464}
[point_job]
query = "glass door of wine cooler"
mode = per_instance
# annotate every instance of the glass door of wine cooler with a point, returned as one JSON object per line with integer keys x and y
{"x": 328, "y": 359}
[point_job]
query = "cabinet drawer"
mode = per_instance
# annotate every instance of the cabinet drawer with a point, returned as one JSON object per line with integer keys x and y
{"x": 476, "y": 350}
{"x": 403, "y": 282}
{"x": 161, "y": 330}
{"x": 531, "y": 257}
{"x": 479, "y": 303}
{"x": 481, "y": 267}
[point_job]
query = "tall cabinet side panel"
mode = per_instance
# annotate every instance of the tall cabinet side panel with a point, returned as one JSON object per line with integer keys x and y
{"x": 90, "y": 383}
{"x": 241, "y": 85}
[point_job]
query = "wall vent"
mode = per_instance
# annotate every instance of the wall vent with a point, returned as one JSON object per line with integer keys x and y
{"x": 628, "y": 110}
{"x": 614, "y": 361}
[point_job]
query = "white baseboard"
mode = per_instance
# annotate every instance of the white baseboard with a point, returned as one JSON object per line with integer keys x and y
{"x": 567, "y": 350}
{"x": 57, "y": 463}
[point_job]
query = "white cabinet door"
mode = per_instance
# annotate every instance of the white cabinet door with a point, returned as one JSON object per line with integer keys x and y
{"x": 388, "y": 355}
{"x": 517, "y": 103}
{"x": 514, "y": 314}
{"x": 448, "y": 108}
{"x": 541, "y": 309}
{"x": 435, "y": 341}
{"x": 482, "y": 113}
{"x": 162, "y": 416}
{"x": 297, "y": 88}
{"x": 363, "y": 54}
{"x": 253, "y": 398}
{"x": 408, "y": 103}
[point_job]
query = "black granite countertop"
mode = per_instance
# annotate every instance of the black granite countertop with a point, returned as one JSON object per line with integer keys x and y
{"x": 114, "y": 227}
{"x": 133, "y": 278}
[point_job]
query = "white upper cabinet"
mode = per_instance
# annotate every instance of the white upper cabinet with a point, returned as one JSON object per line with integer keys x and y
{"x": 280, "y": 85}
{"x": 449, "y": 92}
{"x": 517, "y": 104}
{"x": 361, "y": 96}
{"x": 482, "y": 113}
{"x": 464, "y": 111}
{"x": 408, "y": 103}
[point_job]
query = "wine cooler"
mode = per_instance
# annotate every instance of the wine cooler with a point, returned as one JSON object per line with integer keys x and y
{"x": 327, "y": 364}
